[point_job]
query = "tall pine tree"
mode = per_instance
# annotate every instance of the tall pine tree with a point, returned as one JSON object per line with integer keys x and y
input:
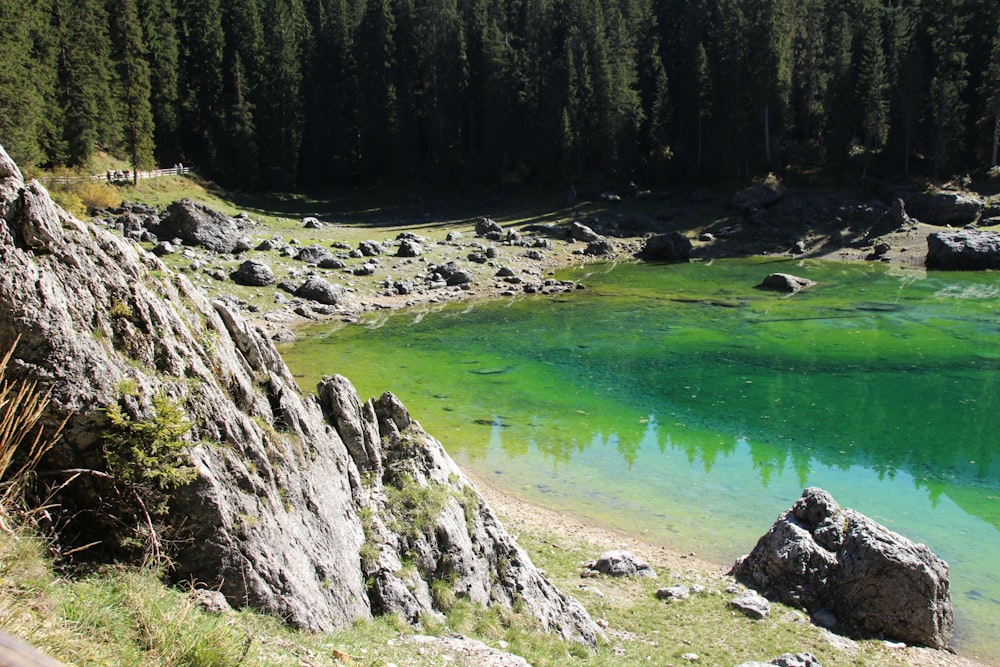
{"x": 133, "y": 84}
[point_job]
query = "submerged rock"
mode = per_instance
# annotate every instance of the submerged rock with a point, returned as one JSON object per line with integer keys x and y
{"x": 874, "y": 582}
{"x": 786, "y": 282}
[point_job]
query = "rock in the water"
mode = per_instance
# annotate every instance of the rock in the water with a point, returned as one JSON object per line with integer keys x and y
{"x": 620, "y": 563}
{"x": 786, "y": 282}
{"x": 875, "y": 582}
{"x": 672, "y": 247}
{"x": 279, "y": 515}
{"x": 752, "y": 604}
{"x": 253, "y": 273}
{"x": 942, "y": 208}
{"x": 963, "y": 250}
{"x": 198, "y": 225}
{"x": 319, "y": 290}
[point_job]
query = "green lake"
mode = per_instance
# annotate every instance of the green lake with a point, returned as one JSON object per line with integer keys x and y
{"x": 680, "y": 403}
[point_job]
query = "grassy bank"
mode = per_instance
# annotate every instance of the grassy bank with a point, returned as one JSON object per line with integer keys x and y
{"x": 125, "y": 616}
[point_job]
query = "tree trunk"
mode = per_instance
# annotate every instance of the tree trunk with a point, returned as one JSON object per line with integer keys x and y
{"x": 767, "y": 137}
{"x": 996, "y": 139}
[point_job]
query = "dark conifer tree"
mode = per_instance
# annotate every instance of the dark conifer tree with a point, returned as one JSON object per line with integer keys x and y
{"x": 871, "y": 83}
{"x": 945, "y": 22}
{"x": 133, "y": 84}
{"x": 243, "y": 61}
{"x": 159, "y": 20}
{"x": 23, "y": 79}
{"x": 200, "y": 83}
{"x": 330, "y": 93}
{"x": 85, "y": 75}
{"x": 377, "y": 127}
{"x": 280, "y": 116}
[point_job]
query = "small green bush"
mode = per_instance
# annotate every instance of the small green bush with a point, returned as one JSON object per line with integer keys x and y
{"x": 149, "y": 454}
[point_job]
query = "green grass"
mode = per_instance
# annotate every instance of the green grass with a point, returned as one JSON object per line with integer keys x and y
{"x": 125, "y": 616}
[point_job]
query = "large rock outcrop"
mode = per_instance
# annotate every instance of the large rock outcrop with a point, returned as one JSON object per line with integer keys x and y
{"x": 826, "y": 560}
{"x": 199, "y": 225}
{"x": 942, "y": 207}
{"x": 963, "y": 250}
{"x": 320, "y": 511}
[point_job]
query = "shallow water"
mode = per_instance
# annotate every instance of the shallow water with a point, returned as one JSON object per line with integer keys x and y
{"x": 680, "y": 403}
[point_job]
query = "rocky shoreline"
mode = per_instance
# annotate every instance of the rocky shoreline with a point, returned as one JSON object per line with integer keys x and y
{"x": 332, "y": 266}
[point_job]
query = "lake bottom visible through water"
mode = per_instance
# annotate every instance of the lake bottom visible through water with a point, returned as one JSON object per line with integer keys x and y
{"x": 681, "y": 404}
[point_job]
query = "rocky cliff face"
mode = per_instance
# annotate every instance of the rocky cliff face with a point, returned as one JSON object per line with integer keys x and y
{"x": 318, "y": 510}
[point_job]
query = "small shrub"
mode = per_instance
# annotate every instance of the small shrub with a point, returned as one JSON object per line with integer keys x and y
{"x": 150, "y": 451}
{"x": 94, "y": 195}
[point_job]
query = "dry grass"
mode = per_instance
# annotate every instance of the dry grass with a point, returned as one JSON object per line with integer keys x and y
{"x": 22, "y": 440}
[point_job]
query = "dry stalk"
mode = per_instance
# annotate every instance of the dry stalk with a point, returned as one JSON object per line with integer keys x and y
{"x": 21, "y": 409}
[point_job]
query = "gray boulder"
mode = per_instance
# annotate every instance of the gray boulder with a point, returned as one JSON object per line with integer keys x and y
{"x": 313, "y": 254}
{"x": 581, "y": 232}
{"x": 785, "y": 282}
{"x": 963, "y": 250}
{"x": 409, "y": 248}
{"x": 452, "y": 274}
{"x": 672, "y": 247}
{"x": 757, "y": 196}
{"x": 818, "y": 556}
{"x": 279, "y": 515}
{"x": 620, "y": 563}
{"x": 198, "y": 225}
{"x": 600, "y": 248}
{"x": 371, "y": 248}
{"x": 787, "y": 660}
{"x": 488, "y": 228}
{"x": 751, "y": 604}
{"x": 897, "y": 215}
{"x": 940, "y": 207}
{"x": 253, "y": 273}
{"x": 319, "y": 290}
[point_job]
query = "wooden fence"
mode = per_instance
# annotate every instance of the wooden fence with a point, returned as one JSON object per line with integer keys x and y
{"x": 117, "y": 176}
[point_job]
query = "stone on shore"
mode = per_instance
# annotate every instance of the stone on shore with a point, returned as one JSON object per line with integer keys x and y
{"x": 672, "y": 247}
{"x": 942, "y": 208}
{"x": 619, "y": 563}
{"x": 253, "y": 273}
{"x": 874, "y": 582}
{"x": 963, "y": 250}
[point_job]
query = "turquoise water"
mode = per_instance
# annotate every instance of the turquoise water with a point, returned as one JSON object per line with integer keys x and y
{"x": 680, "y": 403}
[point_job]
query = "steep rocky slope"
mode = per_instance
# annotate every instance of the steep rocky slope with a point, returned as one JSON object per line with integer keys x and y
{"x": 318, "y": 510}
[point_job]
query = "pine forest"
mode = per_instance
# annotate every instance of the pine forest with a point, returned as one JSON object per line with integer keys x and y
{"x": 283, "y": 94}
